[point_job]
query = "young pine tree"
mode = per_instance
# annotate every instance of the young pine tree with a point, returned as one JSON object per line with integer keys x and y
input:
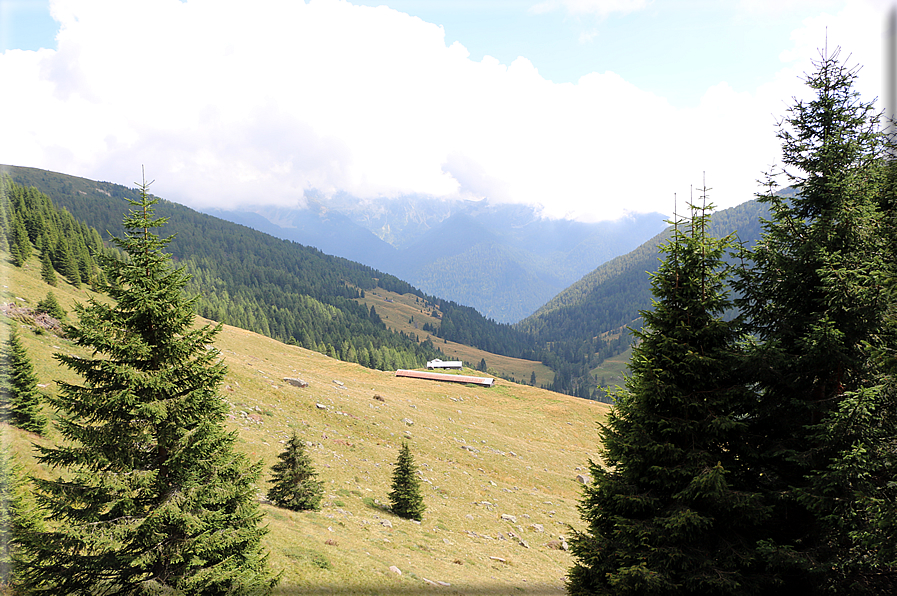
{"x": 814, "y": 298}
{"x": 24, "y": 398}
{"x": 672, "y": 510}
{"x": 154, "y": 498}
{"x": 405, "y": 498}
{"x": 51, "y": 306}
{"x": 295, "y": 481}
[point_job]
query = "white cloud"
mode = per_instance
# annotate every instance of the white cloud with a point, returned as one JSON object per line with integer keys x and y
{"x": 602, "y": 8}
{"x": 225, "y": 104}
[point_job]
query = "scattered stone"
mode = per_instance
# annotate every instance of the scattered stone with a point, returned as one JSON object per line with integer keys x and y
{"x": 583, "y": 478}
{"x": 499, "y": 559}
{"x": 321, "y": 406}
{"x": 525, "y": 545}
{"x": 386, "y": 523}
{"x": 538, "y": 528}
{"x": 395, "y": 570}
{"x": 408, "y": 421}
{"x": 295, "y": 382}
{"x": 338, "y": 383}
{"x": 379, "y": 398}
{"x": 510, "y": 518}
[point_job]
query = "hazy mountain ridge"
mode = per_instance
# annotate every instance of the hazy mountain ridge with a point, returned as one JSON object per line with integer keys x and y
{"x": 611, "y": 296}
{"x": 441, "y": 246}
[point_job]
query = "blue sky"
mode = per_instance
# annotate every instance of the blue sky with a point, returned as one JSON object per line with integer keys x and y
{"x": 589, "y": 108}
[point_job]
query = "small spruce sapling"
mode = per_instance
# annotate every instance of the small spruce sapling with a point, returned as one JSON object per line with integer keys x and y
{"x": 295, "y": 481}
{"x": 405, "y": 498}
{"x": 51, "y": 306}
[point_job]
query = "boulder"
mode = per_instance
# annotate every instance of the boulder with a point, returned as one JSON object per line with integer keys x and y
{"x": 295, "y": 382}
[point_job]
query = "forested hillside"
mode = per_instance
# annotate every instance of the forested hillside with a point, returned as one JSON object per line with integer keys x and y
{"x": 248, "y": 279}
{"x": 31, "y": 224}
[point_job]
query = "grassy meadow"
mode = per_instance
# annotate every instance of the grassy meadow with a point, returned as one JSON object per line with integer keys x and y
{"x": 404, "y": 312}
{"x": 483, "y": 453}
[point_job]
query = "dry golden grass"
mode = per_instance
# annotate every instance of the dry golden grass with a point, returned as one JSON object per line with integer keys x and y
{"x": 397, "y": 311}
{"x": 482, "y": 452}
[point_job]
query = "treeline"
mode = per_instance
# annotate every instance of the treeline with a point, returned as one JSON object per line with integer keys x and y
{"x": 465, "y": 325}
{"x": 31, "y": 224}
{"x": 279, "y": 288}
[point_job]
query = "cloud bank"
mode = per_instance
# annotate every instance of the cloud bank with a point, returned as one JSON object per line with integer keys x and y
{"x": 229, "y": 102}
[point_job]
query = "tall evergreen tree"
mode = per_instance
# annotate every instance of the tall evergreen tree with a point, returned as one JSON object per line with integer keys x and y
{"x": 294, "y": 478}
{"x": 47, "y": 273}
{"x": 24, "y": 397}
{"x": 405, "y": 498}
{"x": 813, "y": 295}
{"x": 672, "y": 510}
{"x": 154, "y": 498}
{"x": 20, "y": 245}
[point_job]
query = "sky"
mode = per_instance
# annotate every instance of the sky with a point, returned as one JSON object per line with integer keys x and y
{"x": 588, "y": 109}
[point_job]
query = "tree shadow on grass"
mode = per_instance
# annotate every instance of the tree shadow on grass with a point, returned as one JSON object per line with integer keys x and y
{"x": 376, "y": 506}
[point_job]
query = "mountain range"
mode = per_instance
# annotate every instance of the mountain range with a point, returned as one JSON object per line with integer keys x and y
{"x": 504, "y": 260}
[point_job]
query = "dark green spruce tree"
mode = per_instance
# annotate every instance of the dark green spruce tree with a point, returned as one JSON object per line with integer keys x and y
{"x": 47, "y": 273}
{"x": 51, "y": 306}
{"x": 294, "y": 478}
{"x": 405, "y": 498}
{"x": 154, "y": 498}
{"x": 25, "y": 399}
{"x": 814, "y": 294}
{"x": 671, "y": 509}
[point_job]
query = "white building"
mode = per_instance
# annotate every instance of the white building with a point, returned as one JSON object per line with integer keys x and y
{"x": 444, "y": 364}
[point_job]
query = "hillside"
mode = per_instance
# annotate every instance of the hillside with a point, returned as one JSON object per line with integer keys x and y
{"x": 483, "y": 453}
{"x": 586, "y": 322}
